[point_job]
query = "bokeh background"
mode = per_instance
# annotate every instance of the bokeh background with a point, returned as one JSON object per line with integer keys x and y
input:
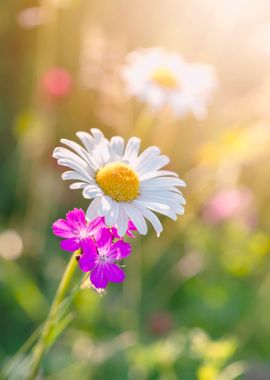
{"x": 196, "y": 302}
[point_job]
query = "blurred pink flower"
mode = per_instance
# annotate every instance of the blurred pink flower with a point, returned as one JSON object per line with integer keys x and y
{"x": 229, "y": 204}
{"x": 32, "y": 17}
{"x": 56, "y": 82}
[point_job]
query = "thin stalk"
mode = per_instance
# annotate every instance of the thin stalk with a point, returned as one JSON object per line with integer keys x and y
{"x": 42, "y": 343}
{"x": 143, "y": 124}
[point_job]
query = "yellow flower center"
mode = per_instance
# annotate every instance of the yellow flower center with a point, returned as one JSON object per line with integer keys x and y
{"x": 164, "y": 78}
{"x": 118, "y": 181}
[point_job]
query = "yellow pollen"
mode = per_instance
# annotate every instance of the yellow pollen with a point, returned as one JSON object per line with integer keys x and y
{"x": 118, "y": 181}
{"x": 164, "y": 78}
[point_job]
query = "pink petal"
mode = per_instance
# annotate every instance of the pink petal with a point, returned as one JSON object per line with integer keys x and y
{"x": 70, "y": 245}
{"x": 98, "y": 277}
{"x": 131, "y": 226}
{"x": 114, "y": 273}
{"x": 63, "y": 229}
{"x": 104, "y": 240}
{"x": 87, "y": 262}
{"x": 76, "y": 218}
{"x": 89, "y": 247}
{"x": 119, "y": 250}
{"x": 96, "y": 224}
{"x": 115, "y": 233}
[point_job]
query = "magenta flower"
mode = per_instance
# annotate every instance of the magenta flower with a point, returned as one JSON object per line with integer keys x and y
{"x": 75, "y": 229}
{"x": 99, "y": 258}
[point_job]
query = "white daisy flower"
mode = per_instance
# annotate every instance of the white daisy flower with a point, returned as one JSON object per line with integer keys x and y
{"x": 121, "y": 183}
{"x": 160, "y": 78}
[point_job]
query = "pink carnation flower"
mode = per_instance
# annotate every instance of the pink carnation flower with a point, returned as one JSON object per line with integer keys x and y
{"x": 99, "y": 258}
{"x": 75, "y": 229}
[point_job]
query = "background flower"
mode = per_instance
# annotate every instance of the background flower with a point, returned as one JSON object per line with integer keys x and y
{"x": 56, "y": 82}
{"x": 234, "y": 203}
{"x": 163, "y": 78}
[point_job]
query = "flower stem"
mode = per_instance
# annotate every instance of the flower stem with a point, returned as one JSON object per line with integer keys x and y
{"x": 143, "y": 124}
{"x": 43, "y": 340}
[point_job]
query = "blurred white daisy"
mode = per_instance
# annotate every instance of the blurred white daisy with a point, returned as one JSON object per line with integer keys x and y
{"x": 161, "y": 78}
{"x": 121, "y": 183}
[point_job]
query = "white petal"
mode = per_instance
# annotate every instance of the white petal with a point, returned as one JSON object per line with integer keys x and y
{"x": 160, "y": 208}
{"x": 112, "y": 215}
{"x": 60, "y": 153}
{"x": 153, "y": 219}
{"x": 63, "y": 153}
{"x": 174, "y": 205}
{"x": 164, "y": 196}
{"x": 87, "y": 140}
{"x": 90, "y": 145}
{"x": 122, "y": 221}
{"x": 162, "y": 205}
{"x": 152, "y": 164}
{"x": 71, "y": 175}
{"x": 92, "y": 211}
{"x": 162, "y": 182}
{"x": 77, "y": 185}
{"x": 92, "y": 191}
{"x": 136, "y": 217}
{"x": 102, "y": 147}
{"x": 150, "y": 190}
{"x": 75, "y": 166}
{"x": 105, "y": 205}
{"x": 172, "y": 196}
{"x": 78, "y": 149}
{"x": 132, "y": 149}
{"x": 98, "y": 135}
{"x": 159, "y": 173}
{"x": 146, "y": 155}
{"x": 116, "y": 147}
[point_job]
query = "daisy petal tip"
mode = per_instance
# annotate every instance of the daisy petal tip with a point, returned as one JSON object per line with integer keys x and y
{"x": 143, "y": 232}
{"x": 137, "y": 139}
{"x": 84, "y": 194}
{"x": 79, "y": 133}
{"x": 96, "y": 132}
{"x": 183, "y": 183}
{"x": 54, "y": 153}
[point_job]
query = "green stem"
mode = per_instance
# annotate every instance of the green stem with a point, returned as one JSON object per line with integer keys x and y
{"x": 143, "y": 124}
{"x": 42, "y": 343}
